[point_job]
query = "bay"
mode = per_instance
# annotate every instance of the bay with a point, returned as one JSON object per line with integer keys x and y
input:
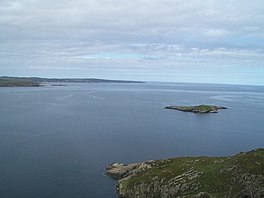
{"x": 56, "y": 141}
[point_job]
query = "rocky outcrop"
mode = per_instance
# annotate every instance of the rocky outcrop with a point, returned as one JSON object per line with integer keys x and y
{"x": 197, "y": 109}
{"x": 240, "y": 175}
{"x": 120, "y": 170}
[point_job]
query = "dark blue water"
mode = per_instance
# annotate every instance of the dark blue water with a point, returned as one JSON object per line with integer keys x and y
{"x": 56, "y": 141}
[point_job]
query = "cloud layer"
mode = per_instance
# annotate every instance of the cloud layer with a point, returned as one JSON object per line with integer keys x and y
{"x": 138, "y": 39}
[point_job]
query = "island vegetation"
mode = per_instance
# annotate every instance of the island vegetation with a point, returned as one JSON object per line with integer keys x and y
{"x": 6, "y": 81}
{"x": 197, "y": 109}
{"x": 240, "y": 175}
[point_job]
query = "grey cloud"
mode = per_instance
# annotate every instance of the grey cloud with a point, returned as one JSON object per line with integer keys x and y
{"x": 132, "y": 19}
{"x": 103, "y": 34}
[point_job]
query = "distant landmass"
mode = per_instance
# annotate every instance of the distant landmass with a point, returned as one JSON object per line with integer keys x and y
{"x": 197, "y": 109}
{"x": 236, "y": 176}
{"x": 6, "y": 81}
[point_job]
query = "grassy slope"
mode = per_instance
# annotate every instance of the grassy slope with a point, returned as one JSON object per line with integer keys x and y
{"x": 215, "y": 175}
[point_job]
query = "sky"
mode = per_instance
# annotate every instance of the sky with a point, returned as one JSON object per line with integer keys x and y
{"x": 203, "y": 41}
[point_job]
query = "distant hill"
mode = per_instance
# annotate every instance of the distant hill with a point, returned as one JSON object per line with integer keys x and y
{"x": 18, "y": 82}
{"x": 6, "y": 81}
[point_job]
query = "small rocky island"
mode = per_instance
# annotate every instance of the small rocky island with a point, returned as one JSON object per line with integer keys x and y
{"x": 236, "y": 176}
{"x": 197, "y": 109}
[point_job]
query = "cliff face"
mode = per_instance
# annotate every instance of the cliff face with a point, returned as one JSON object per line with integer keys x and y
{"x": 241, "y": 175}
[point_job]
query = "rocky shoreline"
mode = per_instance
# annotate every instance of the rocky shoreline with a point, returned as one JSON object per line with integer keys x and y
{"x": 236, "y": 176}
{"x": 197, "y": 108}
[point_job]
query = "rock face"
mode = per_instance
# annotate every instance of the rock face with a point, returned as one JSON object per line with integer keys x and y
{"x": 240, "y": 175}
{"x": 120, "y": 170}
{"x": 197, "y": 109}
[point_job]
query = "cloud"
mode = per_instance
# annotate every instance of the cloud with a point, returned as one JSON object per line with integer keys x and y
{"x": 125, "y": 35}
{"x": 216, "y": 32}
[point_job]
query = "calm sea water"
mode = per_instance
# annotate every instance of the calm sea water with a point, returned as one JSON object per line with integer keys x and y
{"x": 56, "y": 141}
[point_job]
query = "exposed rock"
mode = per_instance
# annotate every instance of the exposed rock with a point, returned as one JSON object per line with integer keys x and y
{"x": 120, "y": 170}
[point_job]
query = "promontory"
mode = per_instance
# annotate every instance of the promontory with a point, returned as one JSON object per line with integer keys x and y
{"x": 236, "y": 176}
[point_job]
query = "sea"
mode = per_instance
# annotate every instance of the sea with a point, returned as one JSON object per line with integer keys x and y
{"x": 55, "y": 141}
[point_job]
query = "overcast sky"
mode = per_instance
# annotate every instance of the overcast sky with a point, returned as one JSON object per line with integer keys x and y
{"x": 209, "y": 41}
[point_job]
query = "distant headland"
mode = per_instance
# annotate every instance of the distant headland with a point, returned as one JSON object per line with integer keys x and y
{"x": 197, "y": 109}
{"x": 7, "y": 81}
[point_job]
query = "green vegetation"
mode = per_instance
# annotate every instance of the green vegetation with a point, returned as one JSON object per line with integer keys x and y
{"x": 241, "y": 175}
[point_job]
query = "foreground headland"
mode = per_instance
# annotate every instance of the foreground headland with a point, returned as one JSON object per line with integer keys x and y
{"x": 6, "y": 81}
{"x": 240, "y": 175}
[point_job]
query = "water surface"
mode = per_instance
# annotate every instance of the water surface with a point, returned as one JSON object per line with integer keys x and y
{"x": 56, "y": 141}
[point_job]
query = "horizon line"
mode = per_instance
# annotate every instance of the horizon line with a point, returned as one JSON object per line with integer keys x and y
{"x": 99, "y": 78}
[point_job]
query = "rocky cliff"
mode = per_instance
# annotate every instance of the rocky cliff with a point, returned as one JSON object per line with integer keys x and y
{"x": 241, "y": 175}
